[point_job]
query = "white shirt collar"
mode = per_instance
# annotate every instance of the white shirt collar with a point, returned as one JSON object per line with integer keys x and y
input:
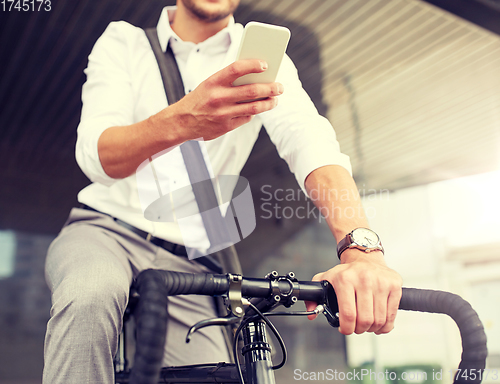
{"x": 165, "y": 32}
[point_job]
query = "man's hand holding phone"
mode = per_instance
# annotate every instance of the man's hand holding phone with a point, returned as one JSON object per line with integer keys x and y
{"x": 216, "y": 107}
{"x": 231, "y": 97}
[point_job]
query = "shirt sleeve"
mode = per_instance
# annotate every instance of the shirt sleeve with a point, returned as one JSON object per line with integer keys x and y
{"x": 304, "y": 139}
{"x": 106, "y": 96}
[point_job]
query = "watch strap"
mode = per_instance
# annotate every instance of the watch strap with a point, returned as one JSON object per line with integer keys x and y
{"x": 343, "y": 244}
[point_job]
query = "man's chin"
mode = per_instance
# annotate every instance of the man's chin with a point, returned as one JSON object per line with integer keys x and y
{"x": 210, "y": 11}
{"x": 212, "y": 17}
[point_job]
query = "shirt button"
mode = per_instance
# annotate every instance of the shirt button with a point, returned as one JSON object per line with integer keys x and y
{"x": 198, "y": 50}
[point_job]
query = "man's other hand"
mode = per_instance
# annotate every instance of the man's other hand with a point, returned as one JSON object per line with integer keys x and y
{"x": 368, "y": 292}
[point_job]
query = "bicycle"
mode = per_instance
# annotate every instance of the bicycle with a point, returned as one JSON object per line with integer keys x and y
{"x": 261, "y": 297}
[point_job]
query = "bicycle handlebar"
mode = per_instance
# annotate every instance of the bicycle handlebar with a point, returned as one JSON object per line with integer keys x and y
{"x": 154, "y": 287}
{"x": 474, "y": 349}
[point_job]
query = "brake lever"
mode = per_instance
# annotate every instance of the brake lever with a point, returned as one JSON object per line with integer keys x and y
{"x": 229, "y": 319}
{"x": 331, "y": 306}
{"x": 332, "y": 318}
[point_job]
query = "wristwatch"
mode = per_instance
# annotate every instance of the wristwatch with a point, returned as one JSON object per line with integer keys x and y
{"x": 363, "y": 239}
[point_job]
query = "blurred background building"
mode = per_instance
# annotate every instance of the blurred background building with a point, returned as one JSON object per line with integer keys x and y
{"x": 413, "y": 90}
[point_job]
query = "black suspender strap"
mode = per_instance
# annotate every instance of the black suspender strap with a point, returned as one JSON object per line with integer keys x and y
{"x": 198, "y": 173}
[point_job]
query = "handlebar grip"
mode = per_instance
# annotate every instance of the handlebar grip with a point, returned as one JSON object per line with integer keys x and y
{"x": 474, "y": 350}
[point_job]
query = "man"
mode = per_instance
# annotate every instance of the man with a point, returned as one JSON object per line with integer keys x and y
{"x": 125, "y": 120}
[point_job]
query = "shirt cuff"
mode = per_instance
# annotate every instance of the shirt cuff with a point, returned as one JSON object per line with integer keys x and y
{"x": 87, "y": 155}
{"x": 316, "y": 156}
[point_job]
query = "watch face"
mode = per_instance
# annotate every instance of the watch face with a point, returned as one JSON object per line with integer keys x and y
{"x": 365, "y": 237}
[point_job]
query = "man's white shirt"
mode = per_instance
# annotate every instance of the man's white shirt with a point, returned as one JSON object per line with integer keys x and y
{"x": 124, "y": 86}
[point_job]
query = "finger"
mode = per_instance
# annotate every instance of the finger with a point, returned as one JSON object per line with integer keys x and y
{"x": 253, "y": 92}
{"x": 380, "y": 302}
{"x": 392, "y": 310}
{"x": 246, "y": 93}
{"x": 311, "y": 306}
{"x": 239, "y": 121}
{"x": 364, "y": 309}
{"x": 239, "y": 68}
{"x": 347, "y": 309}
{"x": 254, "y": 107}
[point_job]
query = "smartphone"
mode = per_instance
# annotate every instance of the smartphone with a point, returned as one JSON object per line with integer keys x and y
{"x": 264, "y": 42}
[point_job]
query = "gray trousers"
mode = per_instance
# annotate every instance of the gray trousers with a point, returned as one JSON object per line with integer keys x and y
{"x": 89, "y": 269}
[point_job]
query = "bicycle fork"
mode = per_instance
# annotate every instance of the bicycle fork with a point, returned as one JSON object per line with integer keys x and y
{"x": 257, "y": 354}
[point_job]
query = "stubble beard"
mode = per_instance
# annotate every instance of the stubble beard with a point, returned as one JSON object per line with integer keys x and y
{"x": 207, "y": 16}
